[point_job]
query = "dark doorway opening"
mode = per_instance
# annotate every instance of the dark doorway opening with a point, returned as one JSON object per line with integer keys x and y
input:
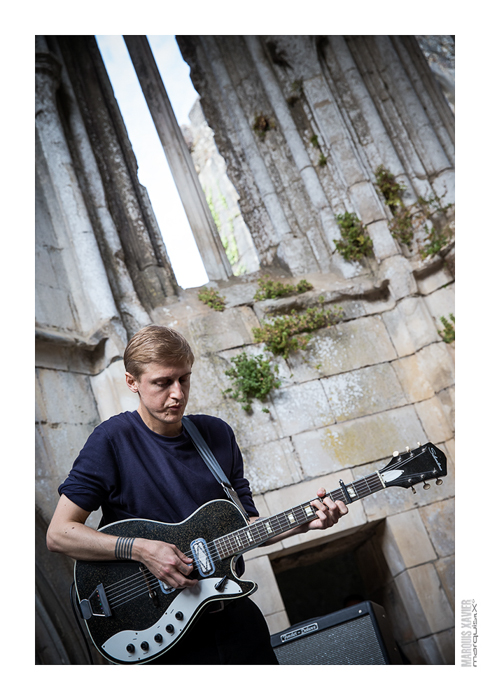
{"x": 321, "y": 587}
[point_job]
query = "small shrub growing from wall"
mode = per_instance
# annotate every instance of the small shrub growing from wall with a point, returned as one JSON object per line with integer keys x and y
{"x": 355, "y": 242}
{"x": 212, "y": 298}
{"x": 252, "y": 377}
{"x": 407, "y": 218}
{"x": 289, "y": 333}
{"x": 268, "y": 289}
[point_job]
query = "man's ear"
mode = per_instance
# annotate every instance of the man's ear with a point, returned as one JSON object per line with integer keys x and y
{"x": 131, "y": 383}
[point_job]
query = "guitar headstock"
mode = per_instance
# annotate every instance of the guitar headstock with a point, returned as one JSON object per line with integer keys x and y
{"x": 412, "y": 467}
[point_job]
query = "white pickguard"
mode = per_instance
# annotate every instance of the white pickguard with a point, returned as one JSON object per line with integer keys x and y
{"x": 186, "y": 602}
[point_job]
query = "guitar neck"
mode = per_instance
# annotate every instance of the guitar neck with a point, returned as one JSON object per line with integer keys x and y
{"x": 262, "y": 530}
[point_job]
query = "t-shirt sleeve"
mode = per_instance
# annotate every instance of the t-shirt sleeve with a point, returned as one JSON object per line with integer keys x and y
{"x": 94, "y": 472}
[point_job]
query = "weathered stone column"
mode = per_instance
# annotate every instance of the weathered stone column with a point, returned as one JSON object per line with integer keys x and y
{"x": 179, "y": 159}
{"x": 89, "y": 285}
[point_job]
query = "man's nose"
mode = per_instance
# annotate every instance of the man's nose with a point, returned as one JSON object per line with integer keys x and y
{"x": 176, "y": 390}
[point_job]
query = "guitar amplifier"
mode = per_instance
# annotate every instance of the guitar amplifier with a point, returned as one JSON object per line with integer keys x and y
{"x": 359, "y": 634}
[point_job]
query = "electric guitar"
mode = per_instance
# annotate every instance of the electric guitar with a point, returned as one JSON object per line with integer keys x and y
{"x": 132, "y": 617}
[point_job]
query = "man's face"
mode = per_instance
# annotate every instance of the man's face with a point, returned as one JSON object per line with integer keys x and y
{"x": 163, "y": 392}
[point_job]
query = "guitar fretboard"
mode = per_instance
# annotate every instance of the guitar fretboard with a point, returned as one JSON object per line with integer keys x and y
{"x": 262, "y": 530}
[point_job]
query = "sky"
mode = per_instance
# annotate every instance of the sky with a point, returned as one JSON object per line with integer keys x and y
{"x": 153, "y": 170}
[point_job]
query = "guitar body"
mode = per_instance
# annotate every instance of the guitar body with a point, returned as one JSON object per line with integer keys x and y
{"x": 130, "y": 616}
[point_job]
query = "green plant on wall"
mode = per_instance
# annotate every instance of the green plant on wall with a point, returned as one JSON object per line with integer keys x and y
{"x": 407, "y": 218}
{"x": 268, "y": 289}
{"x": 212, "y": 298}
{"x": 263, "y": 124}
{"x": 291, "y": 332}
{"x": 252, "y": 378}
{"x": 355, "y": 242}
{"x": 448, "y": 334}
{"x": 391, "y": 190}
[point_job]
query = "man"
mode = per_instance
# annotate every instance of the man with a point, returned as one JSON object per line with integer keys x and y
{"x": 142, "y": 464}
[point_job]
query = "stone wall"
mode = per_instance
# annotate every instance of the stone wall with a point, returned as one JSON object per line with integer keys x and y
{"x": 379, "y": 381}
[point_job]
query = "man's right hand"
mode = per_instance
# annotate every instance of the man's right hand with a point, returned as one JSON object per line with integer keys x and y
{"x": 165, "y": 561}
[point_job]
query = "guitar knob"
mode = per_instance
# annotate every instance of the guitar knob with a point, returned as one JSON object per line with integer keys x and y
{"x": 169, "y": 628}
{"x": 145, "y": 646}
{"x": 179, "y": 615}
{"x": 158, "y": 638}
{"x": 130, "y": 649}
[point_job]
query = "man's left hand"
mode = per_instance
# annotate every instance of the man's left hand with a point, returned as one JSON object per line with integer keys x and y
{"x": 328, "y": 512}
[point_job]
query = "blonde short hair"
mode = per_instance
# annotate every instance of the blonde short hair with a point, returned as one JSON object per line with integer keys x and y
{"x": 156, "y": 344}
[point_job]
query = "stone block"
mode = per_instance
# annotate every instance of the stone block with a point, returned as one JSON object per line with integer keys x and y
{"x": 344, "y": 347}
{"x": 301, "y": 407}
{"x": 438, "y": 649}
{"x": 367, "y": 203}
{"x": 419, "y": 322}
{"x": 433, "y": 418}
{"x": 362, "y": 440}
{"x": 267, "y": 596}
{"x": 425, "y": 600}
{"x": 208, "y": 382}
{"x": 251, "y": 428}
{"x": 437, "y": 364}
{"x": 66, "y": 397}
{"x": 384, "y": 245}
{"x": 446, "y": 571}
{"x": 405, "y": 542}
{"x": 62, "y": 443}
{"x": 53, "y": 307}
{"x": 413, "y": 379}
{"x": 447, "y": 397}
{"x": 437, "y": 279}
{"x": 270, "y": 468}
{"x": 363, "y": 391}
{"x": 438, "y": 519}
{"x": 112, "y": 395}
{"x": 441, "y": 303}
{"x": 398, "y": 271}
{"x": 277, "y": 622}
{"x": 396, "y": 325}
{"x": 215, "y": 331}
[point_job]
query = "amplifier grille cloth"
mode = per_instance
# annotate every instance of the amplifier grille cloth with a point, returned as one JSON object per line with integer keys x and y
{"x": 354, "y": 642}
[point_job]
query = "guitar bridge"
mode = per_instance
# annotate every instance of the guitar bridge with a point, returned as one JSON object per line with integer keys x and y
{"x": 96, "y": 605}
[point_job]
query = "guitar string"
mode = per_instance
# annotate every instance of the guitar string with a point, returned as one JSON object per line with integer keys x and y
{"x": 122, "y": 591}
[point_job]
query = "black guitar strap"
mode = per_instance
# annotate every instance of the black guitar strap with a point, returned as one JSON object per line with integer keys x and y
{"x": 212, "y": 463}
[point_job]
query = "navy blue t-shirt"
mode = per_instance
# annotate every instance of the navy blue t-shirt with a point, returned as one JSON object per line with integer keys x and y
{"x": 132, "y": 472}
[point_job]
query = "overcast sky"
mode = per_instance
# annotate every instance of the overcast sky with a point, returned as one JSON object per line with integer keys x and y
{"x": 153, "y": 170}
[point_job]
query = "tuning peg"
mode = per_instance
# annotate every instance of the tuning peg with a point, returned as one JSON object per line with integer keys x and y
{"x": 438, "y": 482}
{"x": 419, "y": 444}
{"x": 413, "y": 490}
{"x": 395, "y": 453}
{"x": 426, "y": 486}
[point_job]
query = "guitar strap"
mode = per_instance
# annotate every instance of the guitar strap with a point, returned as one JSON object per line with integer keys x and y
{"x": 211, "y": 462}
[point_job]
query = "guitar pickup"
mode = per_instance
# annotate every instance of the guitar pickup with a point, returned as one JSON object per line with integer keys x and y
{"x": 96, "y": 605}
{"x": 202, "y": 557}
